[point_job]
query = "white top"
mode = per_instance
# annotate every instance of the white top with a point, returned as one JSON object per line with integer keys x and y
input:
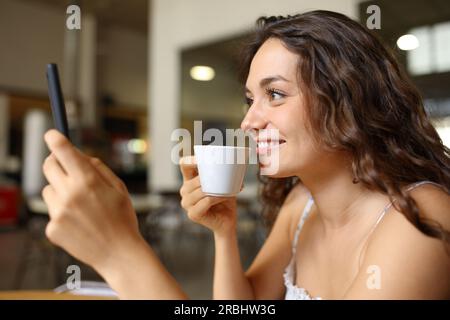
{"x": 293, "y": 292}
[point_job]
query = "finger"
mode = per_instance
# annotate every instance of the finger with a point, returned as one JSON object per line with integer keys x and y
{"x": 188, "y": 160}
{"x": 108, "y": 175}
{"x": 50, "y": 198}
{"x": 190, "y": 185}
{"x": 201, "y": 207}
{"x": 53, "y": 172}
{"x": 188, "y": 167}
{"x": 66, "y": 154}
{"x": 193, "y": 198}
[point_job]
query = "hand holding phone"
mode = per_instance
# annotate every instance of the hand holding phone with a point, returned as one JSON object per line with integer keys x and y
{"x": 57, "y": 100}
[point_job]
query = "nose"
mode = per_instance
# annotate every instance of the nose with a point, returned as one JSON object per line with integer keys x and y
{"x": 254, "y": 119}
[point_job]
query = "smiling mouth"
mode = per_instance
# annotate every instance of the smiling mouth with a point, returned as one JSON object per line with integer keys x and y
{"x": 263, "y": 146}
{"x": 270, "y": 143}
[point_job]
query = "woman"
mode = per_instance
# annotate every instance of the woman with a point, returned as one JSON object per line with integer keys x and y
{"x": 360, "y": 200}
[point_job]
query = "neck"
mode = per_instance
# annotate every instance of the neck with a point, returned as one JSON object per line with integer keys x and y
{"x": 338, "y": 200}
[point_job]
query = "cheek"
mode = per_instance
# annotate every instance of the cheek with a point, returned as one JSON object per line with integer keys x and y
{"x": 294, "y": 113}
{"x": 292, "y": 125}
{"x": 300, "y": 148}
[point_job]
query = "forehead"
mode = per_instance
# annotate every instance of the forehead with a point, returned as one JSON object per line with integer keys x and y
{"x": 272, "y": 58}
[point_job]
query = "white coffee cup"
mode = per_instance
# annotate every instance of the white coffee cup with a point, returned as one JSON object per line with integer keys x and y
{"x": 221, "y": 169}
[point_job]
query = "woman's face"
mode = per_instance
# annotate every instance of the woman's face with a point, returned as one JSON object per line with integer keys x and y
{"x": 276, "y": 102}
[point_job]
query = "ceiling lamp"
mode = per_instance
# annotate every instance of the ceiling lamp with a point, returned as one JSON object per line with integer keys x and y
{"x": 202, "y": 73}
{"x": 408, "y": 42}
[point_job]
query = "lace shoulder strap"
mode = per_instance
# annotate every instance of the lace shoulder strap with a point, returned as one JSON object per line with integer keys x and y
{"x": 408, "y": 188}
{"x": 303, "y": 217}
{"x": 417, "y": 184}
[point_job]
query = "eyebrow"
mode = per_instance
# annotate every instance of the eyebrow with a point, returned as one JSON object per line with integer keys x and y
{"x": 266, "y": 81}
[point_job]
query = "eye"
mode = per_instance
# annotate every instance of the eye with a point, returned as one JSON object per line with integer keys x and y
{"x": 275, "y": 94}
{"x": 249, "y": 101}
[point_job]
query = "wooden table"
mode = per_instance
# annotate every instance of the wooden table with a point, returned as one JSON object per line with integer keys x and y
{"x": 45, "y": 295}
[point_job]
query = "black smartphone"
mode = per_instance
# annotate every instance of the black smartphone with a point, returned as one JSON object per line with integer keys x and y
{"x": 57, "y": 100}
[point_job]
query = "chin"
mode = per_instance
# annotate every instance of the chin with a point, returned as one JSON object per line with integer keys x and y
{"x": 281, "y": 172}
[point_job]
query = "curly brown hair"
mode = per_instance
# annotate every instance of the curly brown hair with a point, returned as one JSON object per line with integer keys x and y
{"x": 358, "y": 100}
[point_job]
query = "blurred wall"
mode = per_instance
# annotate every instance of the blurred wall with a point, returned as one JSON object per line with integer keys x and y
{"x": 175, "y": 25}
{"x": 123, "y": 66}
{"x": 31, "y": 36}
{"x": 215, "y": 101}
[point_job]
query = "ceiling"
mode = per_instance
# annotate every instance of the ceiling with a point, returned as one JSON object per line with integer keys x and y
{"x": 132, "y": 14}
{"x": 398, "y": 15}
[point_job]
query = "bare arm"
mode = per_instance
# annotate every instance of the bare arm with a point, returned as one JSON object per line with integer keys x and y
{"x": 91, "y": 217}
{"x": 230, "y": 281}
{"x": 137, "y": 273}
{"x": 264, "y": 278}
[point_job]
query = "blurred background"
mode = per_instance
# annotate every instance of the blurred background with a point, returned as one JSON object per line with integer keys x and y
{"x": 134, "y": 72}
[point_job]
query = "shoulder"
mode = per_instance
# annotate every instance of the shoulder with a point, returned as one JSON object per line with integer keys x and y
{"x": 298, "y": 194}
{"x": 411, "y": 265}
{"x": 287, "y": 214}
{"x": 433, "y": 203}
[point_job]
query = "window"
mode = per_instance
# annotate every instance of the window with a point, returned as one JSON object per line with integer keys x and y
{"x": 433, "y": 53}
